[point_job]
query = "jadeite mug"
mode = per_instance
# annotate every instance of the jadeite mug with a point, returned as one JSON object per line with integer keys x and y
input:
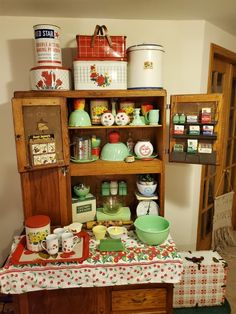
{"x": 152, "y": 117}
{"x": 51, "y": 244}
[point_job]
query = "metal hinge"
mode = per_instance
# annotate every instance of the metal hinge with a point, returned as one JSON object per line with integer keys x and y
{"x": 167, "y": 106}
{"x": 64, "y": 170}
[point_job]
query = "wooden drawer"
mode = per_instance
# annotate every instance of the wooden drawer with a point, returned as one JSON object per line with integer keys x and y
{"x": 139, "y": 300}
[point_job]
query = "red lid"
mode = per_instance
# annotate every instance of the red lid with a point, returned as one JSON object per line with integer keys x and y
{"x": 114, "y": 137}
{"x": 37, "y": 221}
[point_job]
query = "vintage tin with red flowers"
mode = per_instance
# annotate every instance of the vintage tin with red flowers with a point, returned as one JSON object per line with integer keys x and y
{"x": 50, "y": 78}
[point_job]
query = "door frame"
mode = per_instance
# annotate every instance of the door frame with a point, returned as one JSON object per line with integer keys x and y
{"x": 216, "y": 52}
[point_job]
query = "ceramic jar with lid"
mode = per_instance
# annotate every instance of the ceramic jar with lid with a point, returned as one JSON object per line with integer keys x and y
{"x": 36, "y": 228}
{"x": 143, "y": 148}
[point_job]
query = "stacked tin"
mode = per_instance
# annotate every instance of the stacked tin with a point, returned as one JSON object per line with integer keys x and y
{"x": 101, "y": 61}
{"x": 49, "y": 74}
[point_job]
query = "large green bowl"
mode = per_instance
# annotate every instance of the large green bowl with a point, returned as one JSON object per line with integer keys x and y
{"x": 152, "y": 229}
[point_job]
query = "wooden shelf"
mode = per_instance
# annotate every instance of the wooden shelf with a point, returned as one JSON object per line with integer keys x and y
{"x": 93, "y": 93}
{"x": 200, "y": 137}
{"x": 101, "y": 167}
{"x": 94, "y": 127}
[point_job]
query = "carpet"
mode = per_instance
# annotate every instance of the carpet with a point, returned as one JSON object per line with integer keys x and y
{"x": 224, "y": 309}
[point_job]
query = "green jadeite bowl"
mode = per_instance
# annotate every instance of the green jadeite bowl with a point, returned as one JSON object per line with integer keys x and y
{"x": 152, "y": 229}
{"x": 79, "y": 118}
{"x": 114, "y": 152}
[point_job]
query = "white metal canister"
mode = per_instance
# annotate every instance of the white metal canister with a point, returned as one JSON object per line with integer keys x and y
{"x": 50, "y": 78}
{"x": 36, "y": 228}
{"x": 47, "y": 45}
{"x": 144, "y": 68}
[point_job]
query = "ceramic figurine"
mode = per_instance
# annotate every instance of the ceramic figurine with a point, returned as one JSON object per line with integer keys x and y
{"x": 137, "y": 119}
{"x": 122, "y": 118}
{"x": 107, "y": 118}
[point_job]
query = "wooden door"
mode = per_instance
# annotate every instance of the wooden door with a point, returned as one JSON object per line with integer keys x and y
{"x": 43, "y": 157}
{"x": 222, "y": 79}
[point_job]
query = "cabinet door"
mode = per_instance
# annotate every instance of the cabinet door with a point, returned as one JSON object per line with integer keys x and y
{"x": 47, "y": 192}
{"x": 40, "y": 132}
{"x": 196, "y": 129}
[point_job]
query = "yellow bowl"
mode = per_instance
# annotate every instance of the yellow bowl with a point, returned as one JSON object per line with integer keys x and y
{"x": 99, "y": 232}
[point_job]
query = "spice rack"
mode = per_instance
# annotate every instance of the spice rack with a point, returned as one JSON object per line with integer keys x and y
{"x": 195, "y": 128}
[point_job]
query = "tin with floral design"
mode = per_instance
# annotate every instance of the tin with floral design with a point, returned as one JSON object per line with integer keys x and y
{"x": 50, "y": 78}
{"x": 97, "y": 108}
{"x": 36, "y": 228}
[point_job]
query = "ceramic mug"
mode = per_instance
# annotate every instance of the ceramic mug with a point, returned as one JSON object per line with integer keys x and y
{"x": 51, "y": 244}
{"x": 58, "y": 232}
{"x": 68, "y": 241}
{"x": 152, "y": 116}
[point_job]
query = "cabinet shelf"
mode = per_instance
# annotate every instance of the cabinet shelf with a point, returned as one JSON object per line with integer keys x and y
{"x": 197, "y": 158}
{"x": 94, "y": 127}
{"x": 93, "y": 93}
{"x": 200, "y": 137}
{"x": 101, "y": 167}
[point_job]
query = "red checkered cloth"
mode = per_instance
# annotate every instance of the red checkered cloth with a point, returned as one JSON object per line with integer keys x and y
{"x": 203, "y": 281}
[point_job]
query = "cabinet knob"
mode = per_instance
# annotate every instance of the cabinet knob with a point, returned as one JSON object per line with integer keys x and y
{"x": 18, "y": 136}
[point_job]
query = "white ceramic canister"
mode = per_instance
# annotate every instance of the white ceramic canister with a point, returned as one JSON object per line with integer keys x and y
{"x": 50, "y": 78}
{"x": 47, "y": 45}
{"x": 36, "y": 229}
{"x": 143, "y": 149}
{"x": 144, "y": 66}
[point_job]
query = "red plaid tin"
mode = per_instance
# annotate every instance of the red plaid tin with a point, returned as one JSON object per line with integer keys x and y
{"x": 101, "y": 47}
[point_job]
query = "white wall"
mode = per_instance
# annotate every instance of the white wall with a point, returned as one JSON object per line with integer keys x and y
{"x": 185, "y": 43}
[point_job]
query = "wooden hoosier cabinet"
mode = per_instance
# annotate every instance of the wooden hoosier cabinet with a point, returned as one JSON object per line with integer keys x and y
{"x": 48, "y": 174}
{"x": 47, "y": 188}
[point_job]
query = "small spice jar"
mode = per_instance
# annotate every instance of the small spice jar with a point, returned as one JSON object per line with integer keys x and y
{"x": 36, "y": 228}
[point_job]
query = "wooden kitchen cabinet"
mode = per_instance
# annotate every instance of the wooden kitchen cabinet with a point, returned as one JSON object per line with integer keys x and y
{"x": 47, "y": 188}
{"x": 145, "y": 298}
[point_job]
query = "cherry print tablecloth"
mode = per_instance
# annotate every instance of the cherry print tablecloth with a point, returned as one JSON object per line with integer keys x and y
{"x": 137, "y": 264}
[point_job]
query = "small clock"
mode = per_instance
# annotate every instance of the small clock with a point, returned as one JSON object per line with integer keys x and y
{"x": 147, "y": 208}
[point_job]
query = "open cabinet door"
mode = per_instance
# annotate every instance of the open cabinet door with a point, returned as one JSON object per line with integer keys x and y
{"x": 196, "y": 129}
{"x": 43, "y": 156}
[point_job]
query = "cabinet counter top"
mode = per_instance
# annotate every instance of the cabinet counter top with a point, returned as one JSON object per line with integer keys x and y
{"x": 137, "y": 264}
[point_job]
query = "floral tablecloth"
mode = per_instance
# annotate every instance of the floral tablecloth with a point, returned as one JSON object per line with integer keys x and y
{"x": 137, "y": 264}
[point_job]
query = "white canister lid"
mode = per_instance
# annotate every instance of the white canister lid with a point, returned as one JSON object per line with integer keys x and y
{"x": 145, "y": 47}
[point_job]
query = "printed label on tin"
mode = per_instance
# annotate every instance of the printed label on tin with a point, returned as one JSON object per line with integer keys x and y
{"x": 46, "y": 33}
{"x": 148, "y": 65}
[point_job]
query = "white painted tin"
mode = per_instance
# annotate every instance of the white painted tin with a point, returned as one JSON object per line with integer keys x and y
{"x": 50, "y": 78}
{"x": 100, "y": 75}
{"x": 144, "y": 68}
{"x": 47, "y": 45}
